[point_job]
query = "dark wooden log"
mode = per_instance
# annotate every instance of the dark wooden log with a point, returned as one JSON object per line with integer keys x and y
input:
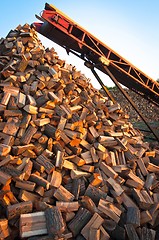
{"x": 131, "y": 233}
{"x": 46, "y": 163}
{"x": 79, "y": 221}
{"x": 50, "y": 130}
{"x": 133, "y": 216}
{"x": 148, "y": 234}
{"x": 95, "y": 194}
{"x": 39, "y": 181}
{"x": 28, "y": 135}
{"x": 88, "y": 203}
{"x": 19, "y": 208}
{"x": 54, "y": 221}
{"x": 76, "y": 188}
{"x": 118, "y": 232}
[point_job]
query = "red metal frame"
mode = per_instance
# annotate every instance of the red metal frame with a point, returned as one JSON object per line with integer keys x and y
{"x": 65, "y": 32}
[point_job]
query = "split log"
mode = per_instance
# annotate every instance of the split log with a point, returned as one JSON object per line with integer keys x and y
{"x": 32, "y": 224}
{"x": 18, "y": 209}
{"x": 79, "y": 221}
{"x": 54, "y": 221}
{"x": 4, "y": 230}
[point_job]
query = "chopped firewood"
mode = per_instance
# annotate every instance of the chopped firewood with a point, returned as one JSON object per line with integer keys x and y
{"x": 85, "y": 144}
{"x": 152, "y": 168}
{"x": 39, "y": 181}
{"x": 54, "y": 221}
{"x": 42, "y": 122}
{"x": 62, "y": 194}
{"x": 18, "y": 209}
{"x": 145, "y": 217}
{"x": 94, "y": 224}
{"x": 77, "y": 160}
{"x": 27, "y": 170}
{"x": 135, "y": 178}
{"x": 67, "y": 206}
{"x": 32, "y": 224}
{"x": 87, "y": 168}
{"x": 142, "y": 166}
{"x": 46, "y": 163}
{"x": 87, "y": 157}
{"x": 133, "y": 216}
{"x": 27, "y": 196}
{"x": 14, "y": 91}
{"x": 143, "y": 199}
{"x": 17, "y": 150}
{"x": 117, "y": 188}
{"x": 4, "y": 230}
{"x": 150, "y": 180}
{"x": 56, "y": 179}
{"x": 109, "y": 210}
{"x": 5, "y": 178}
{"x": 59, "y": 159}
{"x": 95, "y": 194}
{"x": 69, "y": 157}
{"x": 103, "y": 234}
{"x": 108, "y": 170}
{"x": 5, "y": 98}
{"x": 26, "y": 185}
{"x": 148, "y": 234}
{"x": 78, "y": 174}
{"x": 79, "y": 221}
{"x": 68, "y": 165}
{"x": 4, "y": 149}
{"x": 28, "y": 135}
{"x": 31, "y": 109}
{"x": 12, "y": 126}
{"x": 131, "y": 232}
{"x": 21, "y": 100}
{"x": 93, "y": 132}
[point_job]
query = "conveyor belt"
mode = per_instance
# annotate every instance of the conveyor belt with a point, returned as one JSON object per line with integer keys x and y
{"x": 68, "y": 34}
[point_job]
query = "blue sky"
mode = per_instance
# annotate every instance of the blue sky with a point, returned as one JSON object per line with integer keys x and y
{"x": 128, "y": 27}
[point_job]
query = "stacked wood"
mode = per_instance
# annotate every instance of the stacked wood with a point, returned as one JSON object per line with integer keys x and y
{"x": 71, "y": 164}
{"x": 148, "y": 109}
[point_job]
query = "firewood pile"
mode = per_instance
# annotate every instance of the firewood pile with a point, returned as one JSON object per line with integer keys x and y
{"x": 71, "y": 164}
{"x": 148, "y": 109}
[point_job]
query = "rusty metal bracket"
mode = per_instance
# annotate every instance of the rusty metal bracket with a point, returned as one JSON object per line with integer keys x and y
{"x": 103, "y": 86}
